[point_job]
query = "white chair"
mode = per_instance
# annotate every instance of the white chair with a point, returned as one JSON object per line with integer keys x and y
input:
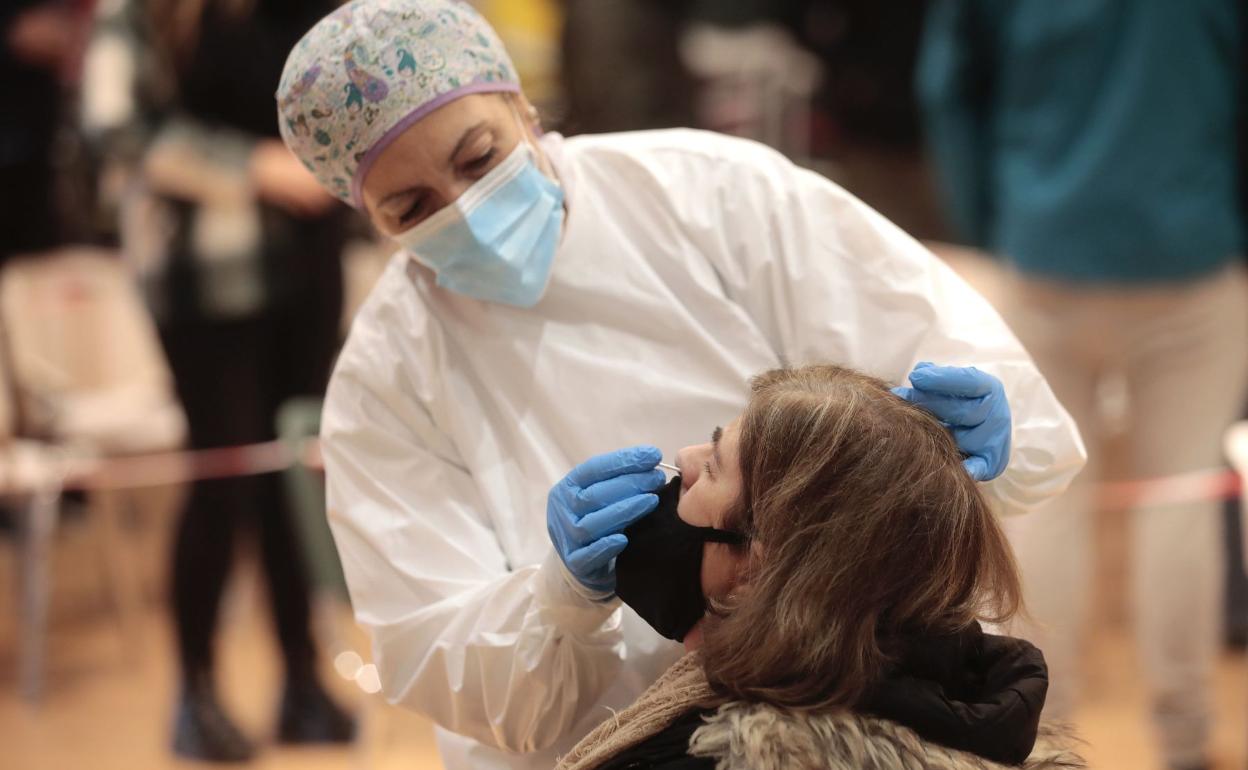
{"x": 87, "y": 377}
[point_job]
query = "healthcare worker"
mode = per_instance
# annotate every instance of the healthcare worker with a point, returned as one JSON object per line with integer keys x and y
{"x": 556, "y": 299}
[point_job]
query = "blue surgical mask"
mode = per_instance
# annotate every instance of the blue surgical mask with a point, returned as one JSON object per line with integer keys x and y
{"x": 497, "y": 241}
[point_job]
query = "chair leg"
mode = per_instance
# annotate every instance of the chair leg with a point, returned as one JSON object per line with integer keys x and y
{"x": 39, "y": 524}
{"x": 120, "y": 563}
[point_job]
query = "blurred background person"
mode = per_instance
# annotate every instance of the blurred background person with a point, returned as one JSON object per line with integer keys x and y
{"x": 238, "y": 250}
{"x": 39, "y": 48}
{"x": 1093, "y": 146}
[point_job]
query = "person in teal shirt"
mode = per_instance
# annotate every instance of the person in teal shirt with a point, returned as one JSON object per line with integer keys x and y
{"x": 1092, "y": 142}
{"x": 1093, "y": 147}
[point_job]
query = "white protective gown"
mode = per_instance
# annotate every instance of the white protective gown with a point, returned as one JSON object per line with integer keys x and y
{"x": 689, "y": 262}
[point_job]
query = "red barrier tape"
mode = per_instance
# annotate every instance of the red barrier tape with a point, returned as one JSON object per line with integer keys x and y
{"x": 1190, "y": 487}
{"x": 180, "y": 467}
{"x": 165, "y": 468}
{"x": 63, "y": 469}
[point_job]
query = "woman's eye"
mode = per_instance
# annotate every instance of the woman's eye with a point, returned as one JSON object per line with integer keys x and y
{"x": 480, "y": 162}
{"x": 410, "y": 214}
{"x": 707, "y": 467}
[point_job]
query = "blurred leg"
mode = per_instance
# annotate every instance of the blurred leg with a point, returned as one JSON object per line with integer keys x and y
{"x": 302, "y": 341}
{"x": 307, "y": 715}
{"x": 210, "y": 363}
{"x": 1054, "y": 544}
{"x": 1236, "y": 575}
{"x": 301, "y": 338}
{"x": 286, "y": 576}
{"x": 1187, "y": 373}
{"x": 202, "y": 556}
{"x": 214, "y": 366}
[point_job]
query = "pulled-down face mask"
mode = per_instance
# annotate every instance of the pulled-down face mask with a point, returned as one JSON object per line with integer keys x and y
{"x": 659, "y": 573}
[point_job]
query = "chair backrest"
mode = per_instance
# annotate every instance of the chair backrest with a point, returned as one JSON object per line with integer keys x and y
{"x": 85, "y": 357}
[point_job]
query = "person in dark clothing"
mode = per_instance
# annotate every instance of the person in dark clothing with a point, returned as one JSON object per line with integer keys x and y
{"x": 37, "y": 38}
{"x": 239, "y": 252}
{"x": 827, "y": 560}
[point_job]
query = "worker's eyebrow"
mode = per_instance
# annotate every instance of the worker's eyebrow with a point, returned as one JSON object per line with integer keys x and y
{"x": 716, "y": 435}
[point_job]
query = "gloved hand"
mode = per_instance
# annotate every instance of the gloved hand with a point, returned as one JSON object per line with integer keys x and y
{"x": 972, "y": 406}
{"x": 587, "y": 511}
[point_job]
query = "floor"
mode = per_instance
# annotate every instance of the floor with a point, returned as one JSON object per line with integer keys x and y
{"x": 108, "y": 701}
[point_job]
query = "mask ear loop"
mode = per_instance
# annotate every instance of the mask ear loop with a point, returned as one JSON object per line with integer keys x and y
{"x": 723, "y": 536}
{"x": 538, "y": 156}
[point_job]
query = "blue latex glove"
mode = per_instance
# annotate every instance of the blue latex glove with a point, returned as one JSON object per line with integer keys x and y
{"x": 587, "y": 511}
{"x": 972, "y": 406}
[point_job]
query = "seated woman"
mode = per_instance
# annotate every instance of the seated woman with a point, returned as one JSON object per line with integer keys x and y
{"x": 826, "y": 560}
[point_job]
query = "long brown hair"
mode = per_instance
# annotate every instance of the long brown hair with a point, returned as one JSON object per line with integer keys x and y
{"x": 866, "y": 532}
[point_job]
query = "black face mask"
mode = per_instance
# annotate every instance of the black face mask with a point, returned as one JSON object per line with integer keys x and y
{"x": 659, "y": 573}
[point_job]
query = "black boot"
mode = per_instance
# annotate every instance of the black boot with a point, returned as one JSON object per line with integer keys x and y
{"x": 309, "y": 716}
{"x": 202, "y": 730}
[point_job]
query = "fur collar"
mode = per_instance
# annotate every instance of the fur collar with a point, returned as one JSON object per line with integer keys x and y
{"x": 754, "y": 736}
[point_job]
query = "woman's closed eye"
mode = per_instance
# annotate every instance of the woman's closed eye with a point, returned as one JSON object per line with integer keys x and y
{"x": 480, "y": 163}
{"x": 413, "y": 211}
{"x": 706, "y": 466}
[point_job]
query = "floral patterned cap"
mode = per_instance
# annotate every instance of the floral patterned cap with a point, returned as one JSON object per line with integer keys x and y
{"x": 372, "y": 68}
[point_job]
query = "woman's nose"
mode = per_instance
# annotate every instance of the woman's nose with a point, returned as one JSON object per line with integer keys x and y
{"x": 690, "y": 465}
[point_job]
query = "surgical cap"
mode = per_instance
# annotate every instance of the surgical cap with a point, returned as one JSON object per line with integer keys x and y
{"x": 371, "y": 69}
